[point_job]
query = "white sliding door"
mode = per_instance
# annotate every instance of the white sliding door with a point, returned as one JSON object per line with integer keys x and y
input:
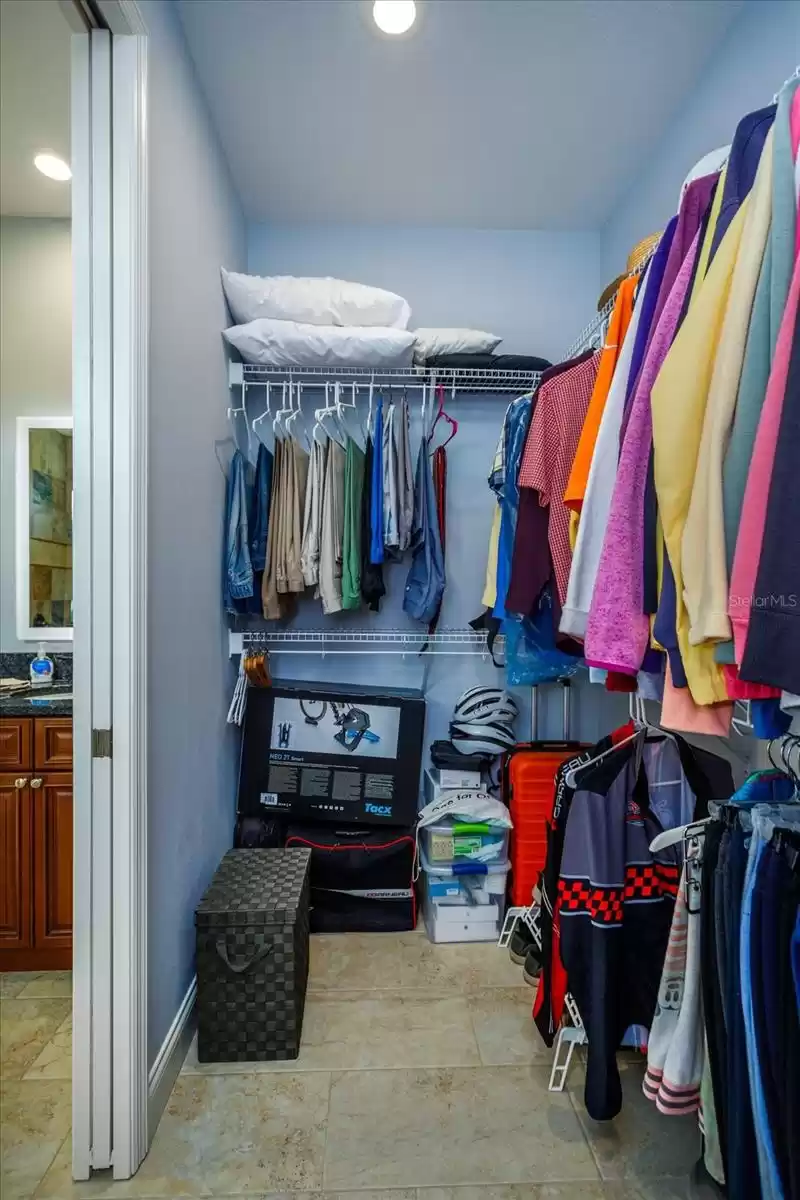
{"x": 110, "y": 510}
{"x": 91, "y": 255}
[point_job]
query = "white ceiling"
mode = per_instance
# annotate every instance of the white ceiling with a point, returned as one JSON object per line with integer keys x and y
{"x": 493, "y": 113}
{"x": 34, "y": 105}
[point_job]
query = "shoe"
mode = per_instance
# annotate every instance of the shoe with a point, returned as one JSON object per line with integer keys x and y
{"x": 520, "y": 943}
{"x": 532, "y": 967}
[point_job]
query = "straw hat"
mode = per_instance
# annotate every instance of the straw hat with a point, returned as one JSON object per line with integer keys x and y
{"x": 640, "y": 252}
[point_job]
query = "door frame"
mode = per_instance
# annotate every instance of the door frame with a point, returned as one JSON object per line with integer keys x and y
{"x": 110, "y": 398}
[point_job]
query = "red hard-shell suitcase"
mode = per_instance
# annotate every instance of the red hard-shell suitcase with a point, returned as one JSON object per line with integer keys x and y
{"x": 529, "y": 772}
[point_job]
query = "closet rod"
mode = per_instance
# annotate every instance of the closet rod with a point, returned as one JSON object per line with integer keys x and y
{"x": 361, "y": 641}
{"x": 459, "y": 380}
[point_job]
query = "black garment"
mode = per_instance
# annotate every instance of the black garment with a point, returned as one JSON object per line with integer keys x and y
{"x": 546, "y": 1021}
{"x": 743, "y": 160}
{"x": 711, "y": 987}
{"x": 775, "y": 899}
{"x": 373, "y": 588}
{"x": 741, "y": 1172}
{"x": 617, "y": 899}
{"x": 772, "y": 650}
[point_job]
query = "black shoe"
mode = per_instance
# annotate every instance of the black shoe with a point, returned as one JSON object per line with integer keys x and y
{"x": 520, "y": 943}
{"x": 532, "y": 968}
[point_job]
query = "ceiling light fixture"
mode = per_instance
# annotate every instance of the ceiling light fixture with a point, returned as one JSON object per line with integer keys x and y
{"x": 394, "y": 16}
{"x": 52, "y": 166}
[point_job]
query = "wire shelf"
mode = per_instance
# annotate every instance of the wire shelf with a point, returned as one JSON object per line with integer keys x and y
{"x": 454, "y": 380}
{"x": 592, "y": 334}
{"x": 362, "y": 641}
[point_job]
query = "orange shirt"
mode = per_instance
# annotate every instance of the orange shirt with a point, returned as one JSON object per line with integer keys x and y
{"x": 617, "y": 328}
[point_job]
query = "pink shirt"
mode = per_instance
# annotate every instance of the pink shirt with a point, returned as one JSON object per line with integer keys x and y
{"x": 618, "y": 629}
{"x": 756, "y": 495}
{"x": 553, "y": 437}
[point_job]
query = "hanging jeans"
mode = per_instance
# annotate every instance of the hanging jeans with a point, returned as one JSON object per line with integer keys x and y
{"x": 750, "y": 966}
{"x": 786, "y": 1065}
{"x": 237, "y": 569}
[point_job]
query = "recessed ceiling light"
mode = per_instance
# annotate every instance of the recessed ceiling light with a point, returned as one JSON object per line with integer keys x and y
{"x": 52, "y": 166}
{"x": 394, "y": 16}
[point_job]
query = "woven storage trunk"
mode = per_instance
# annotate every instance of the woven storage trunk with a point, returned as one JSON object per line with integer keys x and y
{"x": 252, "y": 957}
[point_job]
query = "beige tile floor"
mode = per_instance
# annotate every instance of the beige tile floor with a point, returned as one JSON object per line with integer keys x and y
{"x": 420, "y": 1078}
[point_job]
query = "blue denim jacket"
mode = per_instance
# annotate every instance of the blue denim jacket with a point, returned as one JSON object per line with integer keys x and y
{"x": 237, "y": 582}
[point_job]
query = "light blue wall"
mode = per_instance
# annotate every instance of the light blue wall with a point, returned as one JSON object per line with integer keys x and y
{"x": 536, "y": 290}
{"x": 532, "y": 288}
{"x": 195, "y": 223}
{"x": 759, "y": 52}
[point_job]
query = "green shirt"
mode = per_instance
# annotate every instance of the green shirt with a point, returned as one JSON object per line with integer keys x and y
{"x": 351, "y": 543}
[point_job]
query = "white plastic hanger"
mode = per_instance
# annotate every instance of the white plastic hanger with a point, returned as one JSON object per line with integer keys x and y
{"x": 671, "y": 837}
{"x": 266, "y": 413}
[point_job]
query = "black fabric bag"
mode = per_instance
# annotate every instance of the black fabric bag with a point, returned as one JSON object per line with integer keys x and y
{"x": 361, "y": 880}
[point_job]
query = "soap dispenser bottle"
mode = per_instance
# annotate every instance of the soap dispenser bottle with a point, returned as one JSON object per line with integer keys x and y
{"x": 41, "y": 669}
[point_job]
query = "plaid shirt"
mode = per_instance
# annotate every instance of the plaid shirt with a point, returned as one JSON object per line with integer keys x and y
{"x": 553, "y": 438}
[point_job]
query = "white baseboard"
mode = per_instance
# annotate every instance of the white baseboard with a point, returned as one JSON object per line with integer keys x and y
{"x": 169, "y": 1060}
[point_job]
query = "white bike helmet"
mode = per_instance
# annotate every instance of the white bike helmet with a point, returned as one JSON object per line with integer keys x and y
{"x": 481, "y": 737}
{"x": 485, "y": 704}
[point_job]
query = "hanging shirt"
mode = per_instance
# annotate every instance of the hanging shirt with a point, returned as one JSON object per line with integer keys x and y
{"x": 649, "y": 302}
{"x": 312, "y": 517}
{"x": 678, "y": 401}
{"x": 405, "y": 476}
{"x": 376, "y": 487}
{"x": 531, "y": 564}
{"x": 270, "y": 600}
{"x": 618, "y": 628}
{"x": 703, "y": 545}
{"x": 391, "y": 495}
{"x": 675, "y": 1049}
{"x": 599, "y": 490}
{"x": 771, "y": 653}
{"x": 617, "y": 327}
{"x": 330, "y": 556}
{"x": 372, "y": 586}
{"x": 515, "y": 431}
{"x": 756, "y": 497}
{"x": 766, "y": 316}
{"x": 351, "y": 542}
{"x": 549, "y": 452}
{"x": 748, "y": 142}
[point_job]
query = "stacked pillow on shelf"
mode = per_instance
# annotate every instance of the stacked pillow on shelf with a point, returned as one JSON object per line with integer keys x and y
{"x": 288, "y": 321}
{"x": 293, "y": 321}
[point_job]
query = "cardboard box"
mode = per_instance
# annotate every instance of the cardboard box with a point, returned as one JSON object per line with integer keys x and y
{"x": 332, "y": 752}
{"x": 438, "y": 781}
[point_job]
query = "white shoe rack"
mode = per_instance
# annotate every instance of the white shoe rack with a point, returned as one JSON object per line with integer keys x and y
{"x": 569, "y": 1036}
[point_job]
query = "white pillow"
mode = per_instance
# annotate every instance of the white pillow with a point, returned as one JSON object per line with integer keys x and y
{"x": 315, "y": 301}
{"x": 432, "y": 342}
{"x": 292, "y": 344}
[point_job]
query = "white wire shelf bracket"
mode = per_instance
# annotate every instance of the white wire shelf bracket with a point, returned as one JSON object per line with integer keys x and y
{"x": 451, "y": 379}
{"x": 361, "y": 641}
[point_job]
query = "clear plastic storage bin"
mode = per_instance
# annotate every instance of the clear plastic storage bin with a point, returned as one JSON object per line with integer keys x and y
{"x": 465, "y": 902}
{"x": 452, "y": 843}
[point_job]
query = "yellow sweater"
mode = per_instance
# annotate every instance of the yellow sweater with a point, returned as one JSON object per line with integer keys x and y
{"x": 678, "y": 401}
{"x": 705, "y": 572}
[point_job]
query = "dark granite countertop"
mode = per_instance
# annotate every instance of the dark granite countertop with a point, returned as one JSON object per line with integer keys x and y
{"x": 54, "y": 701}
{"x": 44, "y": 702}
